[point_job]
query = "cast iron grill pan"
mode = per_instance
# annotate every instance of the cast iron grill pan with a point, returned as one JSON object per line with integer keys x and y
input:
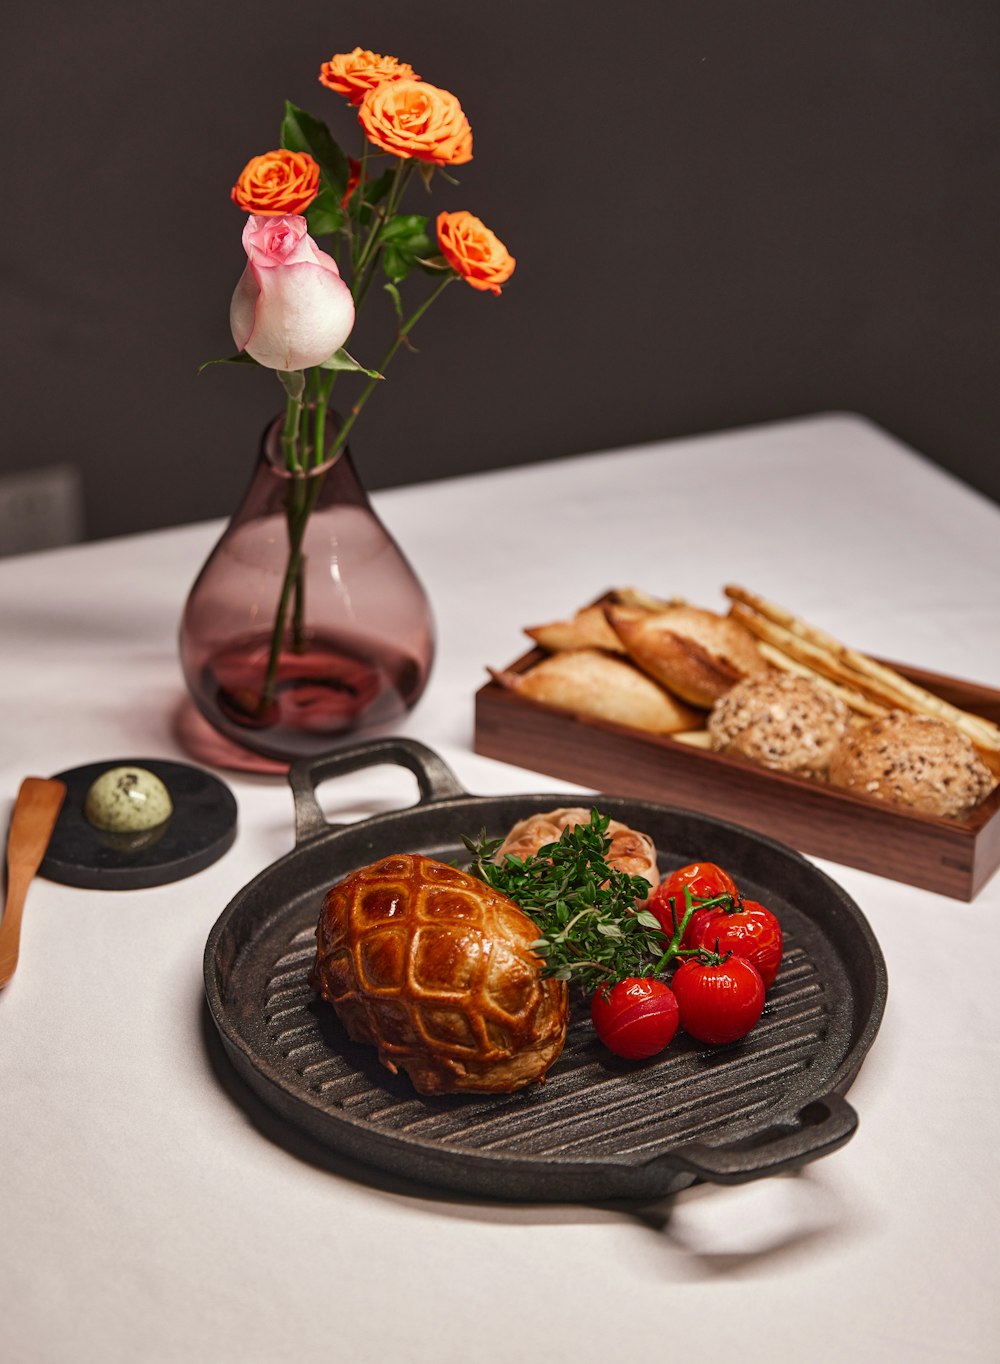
{"x": 599, "y": 1127}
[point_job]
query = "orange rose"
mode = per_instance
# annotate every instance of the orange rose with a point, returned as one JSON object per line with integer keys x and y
{"x": 414, "y": 119}
{"x": 277, "y": 183}
{"x": 353, "y": 74}
{"x": 473, "y": 252}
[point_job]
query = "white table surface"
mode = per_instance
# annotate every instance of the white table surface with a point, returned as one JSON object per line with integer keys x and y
{"x": 144, "y": 1214}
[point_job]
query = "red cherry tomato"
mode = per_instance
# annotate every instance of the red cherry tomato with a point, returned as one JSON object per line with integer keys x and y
{"x": 635, "y": 1018}
{"x": 719, "y": 1001}
{"x": 747, "y": 930}
{"x": 704, "y": 880}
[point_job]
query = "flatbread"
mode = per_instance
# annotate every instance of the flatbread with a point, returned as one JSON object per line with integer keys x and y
{"x": 597, "y": 685}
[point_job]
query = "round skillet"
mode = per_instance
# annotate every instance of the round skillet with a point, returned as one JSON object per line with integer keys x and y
{"x": 599, "y": 1127}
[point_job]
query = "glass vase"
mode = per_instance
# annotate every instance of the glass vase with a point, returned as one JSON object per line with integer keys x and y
{"x": 306, "y": 623}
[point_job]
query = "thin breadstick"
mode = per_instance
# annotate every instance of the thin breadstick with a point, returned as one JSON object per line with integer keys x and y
{"x": 809, "y": 654}
{"x": 694, "y": 738}
{"x": 857, "y": 700}
{"x": 880, "y": 688}
{"x": 828, "y": 655}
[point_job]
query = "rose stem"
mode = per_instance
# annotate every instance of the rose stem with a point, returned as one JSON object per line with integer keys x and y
{"x": 369, "y": 388}
{"x": 296, "y": 532}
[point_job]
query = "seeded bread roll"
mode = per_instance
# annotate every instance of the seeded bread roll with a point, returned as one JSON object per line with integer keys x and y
{"x": 913, "y": 760}
{"x": 782, "y": 721}
{"x": 698, "y": 655}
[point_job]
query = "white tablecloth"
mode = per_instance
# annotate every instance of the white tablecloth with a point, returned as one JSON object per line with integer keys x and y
{"x": 148, "y": 1215}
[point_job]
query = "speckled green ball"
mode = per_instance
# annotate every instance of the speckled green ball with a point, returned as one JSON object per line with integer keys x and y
{"x": 127, "y": 800}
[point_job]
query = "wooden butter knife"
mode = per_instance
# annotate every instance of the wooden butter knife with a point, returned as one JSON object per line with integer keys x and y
{"x": 35, "y": 812}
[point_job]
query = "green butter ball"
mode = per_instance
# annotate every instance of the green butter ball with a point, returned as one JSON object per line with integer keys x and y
{"x": 127, "y": 800}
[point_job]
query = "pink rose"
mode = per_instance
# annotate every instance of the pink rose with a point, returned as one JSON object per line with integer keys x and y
{"x": 291, "y": 309}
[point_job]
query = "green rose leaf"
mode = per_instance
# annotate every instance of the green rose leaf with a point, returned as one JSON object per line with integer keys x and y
{"x": 324, "y": 216}
{"x": 294, "y": 381}
{"x": 376, "y": 190}
{"x": 404, "y": 242}
{"x": 241, "y": 359}
{"x": 361, "y": 203}
{"x": 395, "y": 265}
{"x": 341, "y": 360}
{"x": 405, "y": 227}
{"x": 300, "y": 132}
{"x": 397, "y": 302}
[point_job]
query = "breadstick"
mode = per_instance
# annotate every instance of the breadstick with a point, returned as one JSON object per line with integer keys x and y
{"x": 694, "y": 738}
{"x": 857, "y": 700}
{"x": 829, "y": 656}
{"x": 809, "y": 654}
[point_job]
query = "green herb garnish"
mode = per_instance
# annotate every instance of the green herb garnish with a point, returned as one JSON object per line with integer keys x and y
{"x": 590, "y": 931}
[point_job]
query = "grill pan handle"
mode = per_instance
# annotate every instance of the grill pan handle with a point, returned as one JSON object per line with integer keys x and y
{"x": 434, "y": 777}
{"x": 820, "y": 1127}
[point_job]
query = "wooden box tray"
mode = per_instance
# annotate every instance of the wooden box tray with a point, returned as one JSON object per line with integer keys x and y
{"x": 951, "y": 857}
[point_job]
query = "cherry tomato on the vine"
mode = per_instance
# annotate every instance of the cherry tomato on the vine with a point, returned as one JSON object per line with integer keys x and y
{"x": 747, "y": 930}
{"x": 704, "y": 880}
{"x": 719, "y": 1000}
{"x": 635, "y": 1018}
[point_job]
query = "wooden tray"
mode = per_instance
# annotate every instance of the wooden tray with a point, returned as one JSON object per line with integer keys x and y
{"x": 952, "y": 857}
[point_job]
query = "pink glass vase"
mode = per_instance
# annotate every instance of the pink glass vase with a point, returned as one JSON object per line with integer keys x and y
{"x": 306, "y": 622}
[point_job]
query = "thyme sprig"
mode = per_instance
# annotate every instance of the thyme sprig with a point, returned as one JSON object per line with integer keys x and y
{"x": 590, "y": 930}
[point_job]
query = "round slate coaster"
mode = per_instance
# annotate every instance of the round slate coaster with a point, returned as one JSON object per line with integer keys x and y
{"x": 201, "y": 828}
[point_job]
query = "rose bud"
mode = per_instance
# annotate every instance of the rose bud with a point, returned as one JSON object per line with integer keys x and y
{"x": 290, "y": 309}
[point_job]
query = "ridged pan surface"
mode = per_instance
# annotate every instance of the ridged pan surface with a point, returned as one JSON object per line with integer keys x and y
{"x": 599, "y": 1127}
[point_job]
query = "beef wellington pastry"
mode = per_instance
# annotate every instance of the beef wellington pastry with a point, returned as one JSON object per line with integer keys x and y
{"x": 435, "y": 969}
{"x": 698, "y": 655}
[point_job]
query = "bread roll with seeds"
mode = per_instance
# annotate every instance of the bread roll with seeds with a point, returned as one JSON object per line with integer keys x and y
{"x": 917, "y": 761}
{"x": 782, "y": 721}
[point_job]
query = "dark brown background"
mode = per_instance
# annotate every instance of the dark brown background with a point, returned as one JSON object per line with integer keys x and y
{"x": 722, "y": 212}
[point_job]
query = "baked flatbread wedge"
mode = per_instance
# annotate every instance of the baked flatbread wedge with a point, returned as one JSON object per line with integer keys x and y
{"x": 588, "y": 629}
{"x": 600, "y": 686}
{"x": 698, "y": 655}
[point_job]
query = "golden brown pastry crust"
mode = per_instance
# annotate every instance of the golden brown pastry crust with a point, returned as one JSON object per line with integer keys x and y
{"x": 595, "y": 684}
{"x": 435, "y": 969}
{"x": 914, "y": 760}
{"x": 588, "y": 629}
{"x": 696, "y": 654}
